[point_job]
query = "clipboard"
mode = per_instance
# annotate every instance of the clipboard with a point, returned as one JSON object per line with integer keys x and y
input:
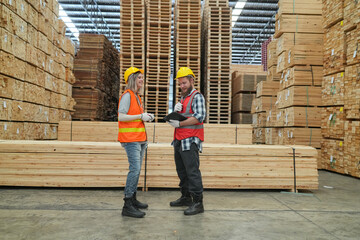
{"x": 174, "y": 116}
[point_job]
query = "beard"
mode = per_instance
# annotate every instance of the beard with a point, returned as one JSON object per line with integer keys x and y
{"x": 187, "y": 92}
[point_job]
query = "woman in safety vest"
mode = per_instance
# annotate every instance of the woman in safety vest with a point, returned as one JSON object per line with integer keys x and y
{"x": 132, "y": 136}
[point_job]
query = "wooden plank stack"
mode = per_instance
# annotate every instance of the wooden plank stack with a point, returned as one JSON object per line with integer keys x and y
{"x": 99, "y": 164}
{"x": 341, "y": 88}
{"x": 156, "y": 132}
{"x": 36, "y": 76}
{"x": 244, "y": 82}
{"x": 132, "y": 37}
{"x": 187, "y": 36}
{"x": 295, "y": 70}
{"x": 216, "y": 37}
{"x": 96, "y": 90}
{"x": 158, "y": 53}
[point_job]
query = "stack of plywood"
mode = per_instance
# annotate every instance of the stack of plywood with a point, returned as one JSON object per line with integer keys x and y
{"x": 156, "y": 132}
{"x": 187, "y": 36}
{"x": 96, "y": 90}
{"x": 99, "y": 164}
{"x": 132, "y": 36}
{"x": 341, "y": 88}
{"x": 244, "y": 80}
{"x": 36, "y": 76}
{"x": 216, "y": 37}
{"x": 158, "y": 53}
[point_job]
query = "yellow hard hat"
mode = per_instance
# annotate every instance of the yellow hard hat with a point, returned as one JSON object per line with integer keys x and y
{"x": 130, "y": 71}
{"x": 183, "y": 72}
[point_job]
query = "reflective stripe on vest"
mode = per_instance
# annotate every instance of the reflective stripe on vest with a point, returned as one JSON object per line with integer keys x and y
{"x": 132, "y": 131}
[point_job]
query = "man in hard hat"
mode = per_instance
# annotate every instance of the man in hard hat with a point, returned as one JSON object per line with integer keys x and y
{"x": 188, "y": 138}
{"x": 132, "y": 136}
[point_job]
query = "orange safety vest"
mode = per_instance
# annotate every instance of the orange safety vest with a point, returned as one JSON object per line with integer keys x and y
{"x": 196, "y": 130}
{"x": 132, "y": 131}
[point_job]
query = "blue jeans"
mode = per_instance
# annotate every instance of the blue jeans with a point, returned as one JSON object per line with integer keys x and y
{"x": 135, "y": 152}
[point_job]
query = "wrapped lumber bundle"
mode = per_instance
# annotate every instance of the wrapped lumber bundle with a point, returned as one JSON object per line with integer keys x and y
{"x": 332, "y": 122}
{"x": 272, "y": 74}
{"x": 302, "y": 117}
{"x": 352, "y": 39}
{"x": 36, "y": 70}
{"x": 305, "y": 7}
{"x": 333, "y": 12}
{"x": 352, "y": 92}
{"x": 301, "y": 76}
{"x": 352, "y": 148}
{"x": 267, "y": 88}
{"x": 297, "y": 23}
{"x": 96, "y": 69}
{"x": 271, "y": 55}
{"x": 299, "y": 96}
{"x": 333, "y": 90}
{"x": 246, "y": 82}
{"x": 288, "y": 40}
{"x": 334, "y": 49}
{"x": 301, "y": 136}
{"x": 351, "y": 14}
{"x": 332, "y": 154}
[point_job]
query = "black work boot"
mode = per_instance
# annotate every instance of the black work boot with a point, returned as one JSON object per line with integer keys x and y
{"x": 197, "y": 205}
{"x": 184, "y": 200}
{"x": 139, "y": 204}
{"x": 130, "y": 210}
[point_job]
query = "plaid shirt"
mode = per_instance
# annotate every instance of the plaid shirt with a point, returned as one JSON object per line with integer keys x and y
{"x": 198, "y": 107}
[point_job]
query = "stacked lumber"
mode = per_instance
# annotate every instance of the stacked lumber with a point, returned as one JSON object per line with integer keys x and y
{"x": 132, "y": 37}
{"x": 216, "y": 37}
{"x": 158, "y": 53}
{"x": 96, "y": 90}
{"x": 295, "y": 71}
{"x": 244, "y": 88}
{"x": 98, "y": 164}
{"x": 187, "y": 36}
{"x": 341, "y": 88}
{"x": 36, "y": 76}
{"x": 156, "y": 132}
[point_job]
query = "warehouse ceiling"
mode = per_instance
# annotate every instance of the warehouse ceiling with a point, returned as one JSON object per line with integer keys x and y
{"x": 254, "y": 25}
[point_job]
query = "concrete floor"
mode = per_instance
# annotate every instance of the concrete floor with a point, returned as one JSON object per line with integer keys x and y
{"x": 332, "y": 212}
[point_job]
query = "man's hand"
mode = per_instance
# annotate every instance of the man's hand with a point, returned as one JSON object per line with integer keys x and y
{"x": 174, "y": 123}
{"x": 178, "y": 107}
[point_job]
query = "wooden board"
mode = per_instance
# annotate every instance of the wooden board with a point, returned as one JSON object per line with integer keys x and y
{"x": 304, "y": 55}
{"x": 301, "y": 117}
{"x": 263, "y": 103}
{"x": 267, "y": 88}
{"x": 301, "y": 136}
